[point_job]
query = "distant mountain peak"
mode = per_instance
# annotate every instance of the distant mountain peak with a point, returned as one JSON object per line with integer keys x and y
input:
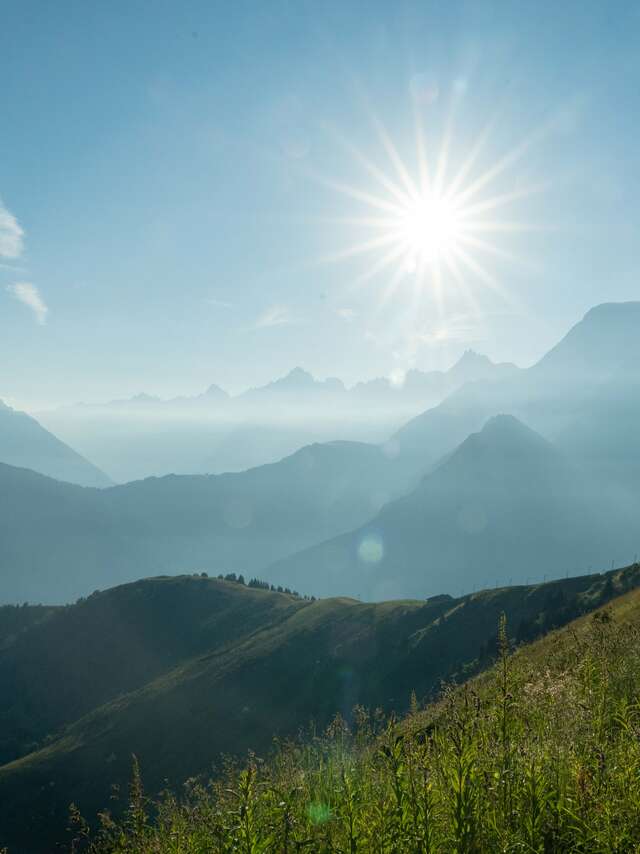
{"x": 598, "y": 346}
{"x": 506, "y": 433}
{"x": 471, "y": 357}
{"x": 506, "y": 425}
{"x": 300, "y": 380}
{"x": 473, "y": 366}
{"x": 501, "y": 436}
{"x": 299, "y": 376}
{"x": 613, "y": 311}
{"x": 214, "y": 391}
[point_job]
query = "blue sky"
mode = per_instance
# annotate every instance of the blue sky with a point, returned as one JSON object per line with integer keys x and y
{"x": 167, "y": 175}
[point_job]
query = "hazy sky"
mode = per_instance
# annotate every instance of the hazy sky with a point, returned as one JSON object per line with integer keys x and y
{"x": 173, "y": 176}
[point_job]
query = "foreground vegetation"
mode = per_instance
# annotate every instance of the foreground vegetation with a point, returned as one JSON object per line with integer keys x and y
{"x": 540, "y": 754}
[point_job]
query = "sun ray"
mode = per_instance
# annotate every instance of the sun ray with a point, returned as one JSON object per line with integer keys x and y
{"x": 504, "y": 226}
{"x": 438, "y": 291}
{"x": 424, "y": 174}
{"x": 443, "y": 157}
{"x": 371, "y": 167}
{"x": 358, "y": 221}
{"x": 477, "y": 268}
{"x": 360, "y": 249}
{"x": 461, "y": 282}
{"x": 490, "y": 249}
{"x": 395, "y": 158}
{"x": 354, "y": 192}
{"x": 379, "y": 267}
{"x": 503, "y": 199}
{"x": 501, "y": 165}
{"x": 469, "y": 162}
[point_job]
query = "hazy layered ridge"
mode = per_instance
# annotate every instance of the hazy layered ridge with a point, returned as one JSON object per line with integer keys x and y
{"x": 24, "y": 442}
{"x": 505, "y": 506}
{"x": 179, "y": 670}
{"x": 58, "y": 541}
{"x": 213, "y": 432}
{"x": 586, "y": 509}
{"x": 552, "y": 396}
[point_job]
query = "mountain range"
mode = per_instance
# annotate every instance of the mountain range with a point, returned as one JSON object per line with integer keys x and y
{"x": 298, "y": 387}
{"x": 214, "y": 433}
{"x": 457, "y": 498}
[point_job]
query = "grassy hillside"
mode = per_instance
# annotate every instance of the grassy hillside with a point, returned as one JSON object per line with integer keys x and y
{"x": 181, "y": 670}
{"x": 112, "y": 643}
{"x": 540, "y": 754}
{"x": 15, "y": 619}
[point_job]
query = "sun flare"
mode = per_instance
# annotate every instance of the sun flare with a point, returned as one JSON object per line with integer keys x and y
{"x": 434, "y": 225}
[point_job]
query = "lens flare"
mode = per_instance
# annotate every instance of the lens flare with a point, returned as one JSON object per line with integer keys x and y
{"x": 371, "y": 549}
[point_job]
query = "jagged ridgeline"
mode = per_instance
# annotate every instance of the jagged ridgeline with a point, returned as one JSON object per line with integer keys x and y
{"x": 180, "y": 671}
{"x": 539, "y": 754}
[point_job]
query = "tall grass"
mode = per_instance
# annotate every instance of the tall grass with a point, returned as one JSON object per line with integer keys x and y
{"x": 541, "y": 754}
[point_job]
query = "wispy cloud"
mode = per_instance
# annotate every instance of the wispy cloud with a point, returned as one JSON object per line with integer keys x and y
{"x": 451, "y": 332}
{"x": 275, "y": 315}
{"x": 29, "y": 295}
{"x": 11, "y": 235}
{"x": 409, "y": 344}
{"x": 347, "y": 314}
{"x": 11, "y": 248}
{"x": 218, "y": 303}
{"x": 456, "y": 332}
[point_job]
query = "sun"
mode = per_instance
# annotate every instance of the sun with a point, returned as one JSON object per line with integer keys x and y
{"x": 429, "y": 230}
{"x": 436, "y": 224}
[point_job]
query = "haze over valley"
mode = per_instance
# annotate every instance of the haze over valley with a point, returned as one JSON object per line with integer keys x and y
{"x": 462, "y": 496}
{"x": 214, "y": 432}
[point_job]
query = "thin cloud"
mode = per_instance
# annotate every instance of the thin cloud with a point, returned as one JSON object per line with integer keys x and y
{"x": 30, "y": 296}
{"x": 347, "y": 314}
{"x": 458, "y": 331}
{"x": 11, "y": 235}
{"x": 276, "y": 315}
{"x": 449, "y": 333}
{"x": 218, "y": 303}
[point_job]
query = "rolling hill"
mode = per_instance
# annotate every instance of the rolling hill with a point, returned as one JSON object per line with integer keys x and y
{"x": 25, "y": 443}
{"x": 178, "y": 670}
{"x": 538, "y": 753}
